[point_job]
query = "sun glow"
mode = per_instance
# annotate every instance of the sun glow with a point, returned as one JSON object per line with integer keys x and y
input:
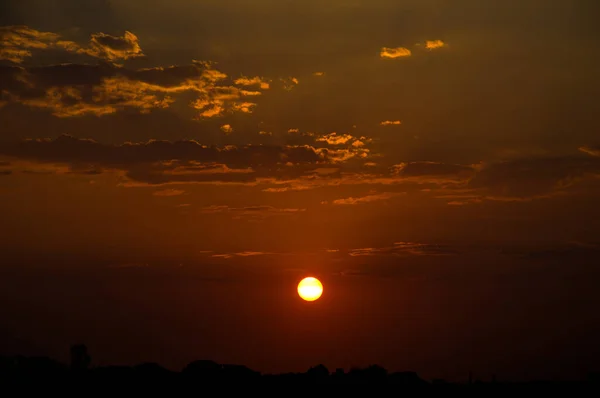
{"x": 310, "y": 289}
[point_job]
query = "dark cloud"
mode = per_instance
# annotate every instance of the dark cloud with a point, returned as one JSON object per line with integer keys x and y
{"x": 281, "y": 168}
{"x": 558, "y": 251}
{"x": 411, "y": 169}
{"x": 533, "y": 177}
{"x": 17, "y": 43}
{"x": 70, "y": 150}
{"x": 109, "y": 47}
{"x": 185, "y": 161}
{"x": 76, "y": 90}
{"x": 4, "y": 168}
{"x": 72, "y": 90}
{"x": 163, "y": 162}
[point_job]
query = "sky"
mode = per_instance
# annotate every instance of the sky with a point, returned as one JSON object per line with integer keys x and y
{"x": 170, "y": 170}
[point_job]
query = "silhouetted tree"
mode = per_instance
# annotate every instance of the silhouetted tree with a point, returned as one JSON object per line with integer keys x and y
{"x": 239, "y": 372}
{"x": 203, "y": 369}
{"x": 198, "y": 374}
{"x": 319, "y": 372}
{"x": 409, "y": 378}
{"x": 151, "y": 370}
{"x": 371, "y": 374}
{"x": 80, "y": 359}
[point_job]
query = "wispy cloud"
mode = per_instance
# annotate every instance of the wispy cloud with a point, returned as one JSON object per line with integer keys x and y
{"x": 251, "y": 212}
{"x": 593, "y": 151}
{"x": 366, "y": 199}
{"x": 241, "y": 254}
{"x": 169, "y": 192}
{"x": 405, "y": 248}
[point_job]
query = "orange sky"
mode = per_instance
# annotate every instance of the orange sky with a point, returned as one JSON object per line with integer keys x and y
{"x": 170, "y": 170}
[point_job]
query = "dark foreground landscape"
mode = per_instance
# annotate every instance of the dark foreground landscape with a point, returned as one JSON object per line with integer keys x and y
{"x": 46, "y": 372}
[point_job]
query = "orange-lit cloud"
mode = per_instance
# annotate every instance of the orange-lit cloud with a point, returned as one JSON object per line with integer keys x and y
{"x": 253, "y": 81}
{"x": 227, "y": 129}
{"x": 289, "y": 83}
{"x": 71, "y": 90}
{"x": 112, "y": 96}
{"x": 244, "y": 107}
{"x": 336, "y": 139}
{"x": 18, "y": 42}
{"x": 433, "y": 44}
{"x": 395, "y": 52}
{"x": 391, "y": 123}
{"x": 113, "y": 48}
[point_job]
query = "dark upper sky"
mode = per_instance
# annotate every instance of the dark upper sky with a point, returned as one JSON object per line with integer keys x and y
{"x": 169, "y": 170}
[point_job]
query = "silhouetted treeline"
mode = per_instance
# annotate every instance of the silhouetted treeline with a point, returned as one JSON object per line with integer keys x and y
{"x": 24, "y": 370}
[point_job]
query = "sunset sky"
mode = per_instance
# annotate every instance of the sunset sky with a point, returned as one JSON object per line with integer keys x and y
{"x": 169, "y": 171}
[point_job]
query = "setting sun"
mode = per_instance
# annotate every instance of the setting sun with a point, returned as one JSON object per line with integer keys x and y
{"x": 310, "y": 289}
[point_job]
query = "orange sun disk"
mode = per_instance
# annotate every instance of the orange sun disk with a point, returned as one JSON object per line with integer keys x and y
{"x": 310, "y": 289}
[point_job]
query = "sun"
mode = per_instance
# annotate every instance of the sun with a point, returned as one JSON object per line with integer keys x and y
{"x": 310, "y": 289}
